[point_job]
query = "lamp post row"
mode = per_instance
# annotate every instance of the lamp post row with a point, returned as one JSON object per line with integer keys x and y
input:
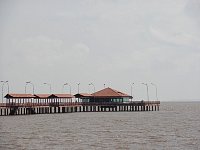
{"x": 29, "y": 82}
{"x": 93, "y": 87}
{"x": 147, "y": 90}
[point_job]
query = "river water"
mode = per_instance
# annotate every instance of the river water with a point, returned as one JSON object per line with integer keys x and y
{"x": 176, "y": 126}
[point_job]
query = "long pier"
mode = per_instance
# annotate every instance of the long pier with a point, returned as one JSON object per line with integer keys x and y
{"x": 7, "y": 109}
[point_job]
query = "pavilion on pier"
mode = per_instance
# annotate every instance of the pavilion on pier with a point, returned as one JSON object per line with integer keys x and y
{"x": 104, "y": 95}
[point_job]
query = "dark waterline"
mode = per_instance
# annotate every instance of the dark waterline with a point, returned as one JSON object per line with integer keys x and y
{"x": 175, "y": 126}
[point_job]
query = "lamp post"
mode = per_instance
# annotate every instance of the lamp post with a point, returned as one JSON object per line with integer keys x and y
{"x": 29, "y": 82}
{"x": 93, "y": 86}
{"x": 89, "y": 88}
{"x": 132, "y": 91}
{"x": 156, "y": 90}
{"x": 3, "y": 87}
{"x": 69, "y": 87}
{"x": 147, "y": 90}
{"x": 49, "y": 86}
{"x": 94, "y": 90}
{"x": 104, "y": 85}
{"x": 78, "y": 87}
{"x": 78, "y": 91}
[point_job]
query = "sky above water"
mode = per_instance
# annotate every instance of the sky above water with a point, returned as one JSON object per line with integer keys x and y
{"x": 111, "y": 42}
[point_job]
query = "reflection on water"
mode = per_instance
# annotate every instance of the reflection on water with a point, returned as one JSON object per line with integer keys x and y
{"x": 175, "y": 126}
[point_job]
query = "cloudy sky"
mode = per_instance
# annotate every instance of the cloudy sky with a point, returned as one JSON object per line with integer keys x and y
{"x": 112, "y": 42}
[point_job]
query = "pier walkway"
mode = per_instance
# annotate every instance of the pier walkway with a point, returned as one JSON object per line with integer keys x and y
{"x": 71, "y": 107}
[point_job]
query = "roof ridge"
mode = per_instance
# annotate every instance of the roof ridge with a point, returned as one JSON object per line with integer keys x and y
{"x": 97, "y": 91}
{"x": 117, "y": 92}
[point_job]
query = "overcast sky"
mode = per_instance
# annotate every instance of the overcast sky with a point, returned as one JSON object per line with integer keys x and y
{"x": 112, "y": 42}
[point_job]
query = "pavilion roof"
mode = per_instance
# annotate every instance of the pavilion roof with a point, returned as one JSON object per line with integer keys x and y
{"x": 13, "y": 95}
{"x": 42, "y": 96}
{"x": 39, "y": 96}
{"x": 62, "y": 96}
{"x": 109, "y": 92}
{"x": 79, "y": 95}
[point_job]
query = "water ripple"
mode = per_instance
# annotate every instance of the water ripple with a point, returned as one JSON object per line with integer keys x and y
{"x": 175, "y": 126}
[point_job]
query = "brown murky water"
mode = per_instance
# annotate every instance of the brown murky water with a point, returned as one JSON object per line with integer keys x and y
{"x": 175, "y": 126}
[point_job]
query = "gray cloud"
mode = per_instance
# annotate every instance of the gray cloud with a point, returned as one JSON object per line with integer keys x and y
{"x": 112, "y": 42}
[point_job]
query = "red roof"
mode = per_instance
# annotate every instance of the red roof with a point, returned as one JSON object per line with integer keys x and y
{"x": 19, "y": 96}
{"x": 42, "y": 96}
{"x": 39, "y": 96}
{"x": 83, "y": 95}
{"x": 62, "y": 95}
{"x": 108, "y": 92}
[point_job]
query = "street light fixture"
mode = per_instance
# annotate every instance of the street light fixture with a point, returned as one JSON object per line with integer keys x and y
{"x": 93, "y": 86}
{"x": 69, "y": 87}
{"x": 29, "y": 82}
{"x": 78, "y": 91}
{"x": 156, "y": 90}
{"x": 132, "y": 91}
{"x": 89, "y": 88}
{"x": 49, "y": 86}
{"x": 78, "y": 87}
{"x": 147, "y": 90}
{"x": 94, "y": 90}
{"x": 3, "y": 87}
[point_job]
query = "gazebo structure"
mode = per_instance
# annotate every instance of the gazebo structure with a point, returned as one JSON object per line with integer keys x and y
{"x": 45, "y": 99}
{"x": 17, "y": 99}
{"x": 54, "y": 98}
{"x": 62, "y": 98}
{"x": 42, "y": 98}
{"x": 105, "y": 95}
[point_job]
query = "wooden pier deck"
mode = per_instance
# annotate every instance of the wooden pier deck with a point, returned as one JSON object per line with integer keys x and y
{"x": 7, "y": 109}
